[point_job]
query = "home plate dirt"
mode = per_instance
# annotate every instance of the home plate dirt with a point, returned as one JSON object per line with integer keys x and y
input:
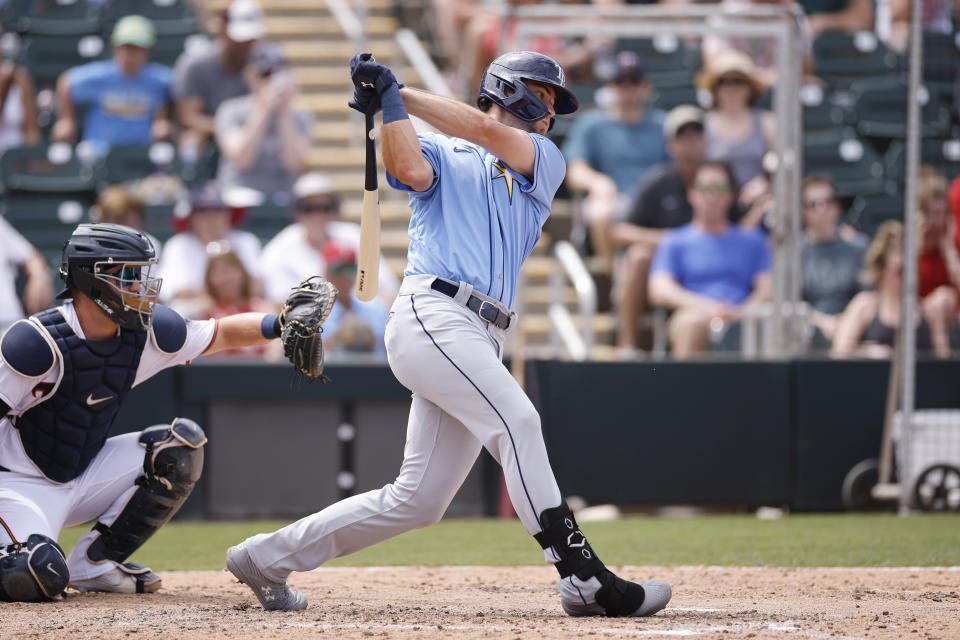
{"x": 512, "y": 602}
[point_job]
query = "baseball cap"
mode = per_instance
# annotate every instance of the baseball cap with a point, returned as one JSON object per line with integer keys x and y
{"x": 266, "y": 59}
{"x": 205, "y": 196}
{"x": 679, "y": 116}
{"x": 135, "y": 30}
{"x": 626, "y": 66}
{"x": 339, "y": 258}
{"x": 244, "y": 21}
{"x": 312, "y": 184}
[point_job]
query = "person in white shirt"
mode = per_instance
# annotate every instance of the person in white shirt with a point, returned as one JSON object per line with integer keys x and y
{"x": 207, "y": 229}
{"x": 296, "y": 252}
{"x": 17, "y": 253}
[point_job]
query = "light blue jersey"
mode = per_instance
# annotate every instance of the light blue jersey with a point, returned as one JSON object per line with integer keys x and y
{"x": 479, "y": 220}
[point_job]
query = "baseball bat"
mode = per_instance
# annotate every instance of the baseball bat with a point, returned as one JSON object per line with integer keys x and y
{"x": 368, "y": 260}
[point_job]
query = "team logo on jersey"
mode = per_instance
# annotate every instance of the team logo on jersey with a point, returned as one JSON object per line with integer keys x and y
{"x": 41, "y": 389}
{"x": 508, "y": 178}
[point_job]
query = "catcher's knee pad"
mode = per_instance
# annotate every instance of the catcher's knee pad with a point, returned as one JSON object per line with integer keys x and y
{"x": 172, "y": 464}
{"x": 561, "y": 533}
{"x": 33, "y": 571}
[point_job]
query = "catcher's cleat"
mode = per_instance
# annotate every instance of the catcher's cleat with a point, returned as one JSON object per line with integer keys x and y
{"x": 274, "y": 596}
{"x": 129, "y": 577}
{"x": 580, "y": 598}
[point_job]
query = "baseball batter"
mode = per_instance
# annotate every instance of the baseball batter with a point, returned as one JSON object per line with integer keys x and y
{"x": 63, "y": 376}
{"x": 479, "y": 194}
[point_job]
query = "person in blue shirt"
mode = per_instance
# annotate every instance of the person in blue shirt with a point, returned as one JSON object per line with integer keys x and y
{"x": 480, "y": 191}
{"x": 353, "y": 326}
{"x": 124, "y": 100}
{"x": 611, "y": 150}
{"x": 710, "y": 270}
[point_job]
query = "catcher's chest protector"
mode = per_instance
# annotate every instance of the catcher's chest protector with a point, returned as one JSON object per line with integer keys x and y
{"x": 64, "y": 432}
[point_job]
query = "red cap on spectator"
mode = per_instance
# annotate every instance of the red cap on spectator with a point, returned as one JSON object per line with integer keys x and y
{"x": 339, "y": 257}
{"x": 953, "y": 197}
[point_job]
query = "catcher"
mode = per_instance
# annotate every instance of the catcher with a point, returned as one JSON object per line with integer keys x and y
{"x": 64, "y": 374}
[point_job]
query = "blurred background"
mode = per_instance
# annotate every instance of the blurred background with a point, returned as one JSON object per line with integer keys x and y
{"x": 760, "y": 369}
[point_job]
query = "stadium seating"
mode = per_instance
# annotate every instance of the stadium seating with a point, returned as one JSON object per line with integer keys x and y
{"x": 880, "y": 105}
{"x": 823, "y": 110}
{"x": 941, "y": 61}
{"x": 46, "y": 56}
{"x": 868, "y": 211}
{"x": 942, "y": 153}
{"x": 44, "y": 169}
{"x": 855, "y": 167}
{"x": 50, "y": 17}
{"x": 840, "y": 58}
{"x": 169, "y": 17}
{"x": 132, "y": 162}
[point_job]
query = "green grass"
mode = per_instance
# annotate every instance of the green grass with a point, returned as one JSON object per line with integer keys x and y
{"x": 792, "y": 541}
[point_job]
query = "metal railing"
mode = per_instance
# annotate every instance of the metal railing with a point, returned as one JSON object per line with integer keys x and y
{"x": 564, "y": 334}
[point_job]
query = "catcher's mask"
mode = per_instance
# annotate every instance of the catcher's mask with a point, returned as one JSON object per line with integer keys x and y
{"x": 503, "y": 84}
{"x": 111, "y": 265}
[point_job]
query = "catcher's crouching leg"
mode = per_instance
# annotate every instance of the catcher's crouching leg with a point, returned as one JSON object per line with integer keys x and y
{"x": 33, "y": 571}
{"x": 172, "y": 465}
{"x": 587, "y": 587}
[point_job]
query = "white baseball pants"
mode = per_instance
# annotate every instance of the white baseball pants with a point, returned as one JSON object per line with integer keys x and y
{"x": 463, "y": 399}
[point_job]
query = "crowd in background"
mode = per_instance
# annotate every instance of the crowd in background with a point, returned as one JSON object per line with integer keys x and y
{"x": 677, "y": 202}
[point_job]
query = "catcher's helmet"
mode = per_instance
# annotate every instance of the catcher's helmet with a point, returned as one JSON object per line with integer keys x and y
{"x": 510, "y": 70}
{"x": 110, "y": 264}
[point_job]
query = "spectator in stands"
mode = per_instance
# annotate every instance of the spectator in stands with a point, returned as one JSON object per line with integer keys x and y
{"x": 230, "y": 289}
{"x": 868, "y": 326}
{"x": 125, "y": 98}
{"x": 738, "y": 133}
{"x": 119, "y": 205}
{"x": 18, "y": 106}
{"x": 709, "y": 271}
{"x": 263, "y": 141}
{"x": 838, "y": 15}
{"x": 17, "y": 254}
{"x": 938, "y": 278}
{"x": 353, "y": 326}
{"x": 831, "y": 263}
{"x": 203, "y": 81}
{"x": 296, "y": 252}
{"x": 660, "y": 204}
{"x": 205, "y": 229}
{"x": 937, "y": 18}
{"x": 609, "y": 151}
{"x": 761, "y": 50}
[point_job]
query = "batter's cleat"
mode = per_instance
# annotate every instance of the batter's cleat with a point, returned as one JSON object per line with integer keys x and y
{"x": 129, "y": 577}
{"x": 274, "y": 596}
{"x": 619, "y": 597}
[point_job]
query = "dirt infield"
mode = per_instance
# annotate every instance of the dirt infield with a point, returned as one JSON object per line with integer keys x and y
{"x": 513, "y": 603}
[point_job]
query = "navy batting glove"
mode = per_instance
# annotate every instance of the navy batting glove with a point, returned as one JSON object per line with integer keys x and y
{"x": 367, "y": 73}
{"x": 366, "y": 101}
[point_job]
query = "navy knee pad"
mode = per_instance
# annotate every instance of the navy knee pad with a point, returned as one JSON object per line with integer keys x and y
{"x": 172, "y": 465}
{"x": 33, "y": 571}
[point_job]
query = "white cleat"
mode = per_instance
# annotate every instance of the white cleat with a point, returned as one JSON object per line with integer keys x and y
{"x": 129, "y": 577}
{"x": 274, "y": 596}
{"x": 578, "y": 598}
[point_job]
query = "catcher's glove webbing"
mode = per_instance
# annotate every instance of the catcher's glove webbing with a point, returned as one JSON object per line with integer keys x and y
{"x": 304, "y": 313}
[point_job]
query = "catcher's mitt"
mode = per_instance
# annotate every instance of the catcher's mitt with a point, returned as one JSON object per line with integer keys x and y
{"x": 304, "y": 313}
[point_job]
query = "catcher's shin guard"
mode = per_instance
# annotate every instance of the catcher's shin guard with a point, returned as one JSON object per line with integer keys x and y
{"x": 561, "y": 533}
{"x": 172, "y": 464}
{"x": 32, "y": 571}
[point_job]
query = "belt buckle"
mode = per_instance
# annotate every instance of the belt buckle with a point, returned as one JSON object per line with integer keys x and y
{"x": 480, "y": 311}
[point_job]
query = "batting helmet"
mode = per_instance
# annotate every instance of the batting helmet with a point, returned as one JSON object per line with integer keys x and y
{"x": 510, "y": 70}
{"x": 110, "y": 264}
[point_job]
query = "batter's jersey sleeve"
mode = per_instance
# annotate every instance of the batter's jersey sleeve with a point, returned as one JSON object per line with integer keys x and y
{"x": 549, "y": 170}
